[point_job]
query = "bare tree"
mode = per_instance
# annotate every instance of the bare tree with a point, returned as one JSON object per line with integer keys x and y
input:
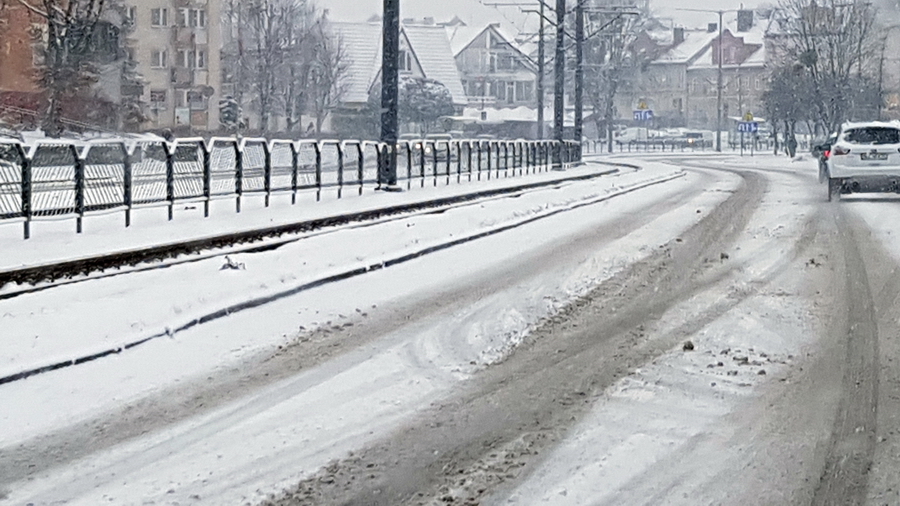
{"x": 608, "y": 64}
{"x": 270, "y": 30}
{"x": 327, "y": 72}
{"x": 295, "y": 82}
{"x": 835, "y": 42}
{"x": 285, "y": 54}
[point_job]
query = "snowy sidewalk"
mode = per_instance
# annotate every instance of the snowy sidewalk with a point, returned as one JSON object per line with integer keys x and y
{"x": 54, "y": 239}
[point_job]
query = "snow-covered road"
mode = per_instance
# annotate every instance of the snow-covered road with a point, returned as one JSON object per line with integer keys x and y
{"x": 237, "y": 409}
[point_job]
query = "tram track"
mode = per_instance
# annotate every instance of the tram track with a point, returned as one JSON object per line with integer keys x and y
{"x": 352, "y": 272}
{"x": 35, "y": 278}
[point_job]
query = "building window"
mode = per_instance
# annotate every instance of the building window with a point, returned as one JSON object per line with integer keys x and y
{"x": 524, "y": 91}
{"x": 158, "y": 100}
{"x": 193, "y": 18}
{"x": 191, "y": 59}
{"x": 506, "y": 62}
{"x": 406, "y": 63}
{"x": 159, "y": 17}
{"x": 159, "y": 59}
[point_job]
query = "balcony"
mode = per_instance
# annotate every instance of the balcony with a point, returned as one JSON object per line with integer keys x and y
{"x": 182, "y": 76}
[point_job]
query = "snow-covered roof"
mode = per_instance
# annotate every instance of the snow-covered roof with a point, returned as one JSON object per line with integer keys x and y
{"x": 694, "y": 42}
{"x": 696, "y": 48}
{"x": 705, "y": 59}
{"x": 433, "y": 52}
{"x": 362, "y": 43}
{"x": 461, "y": 36}
{"x": 429, "y": 44}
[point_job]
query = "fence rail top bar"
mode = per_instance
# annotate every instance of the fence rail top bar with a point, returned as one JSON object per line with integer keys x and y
{"x": 242, "y": 142}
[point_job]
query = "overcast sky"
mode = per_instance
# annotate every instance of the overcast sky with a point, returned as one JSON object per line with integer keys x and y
{"x": 474, "y": 11}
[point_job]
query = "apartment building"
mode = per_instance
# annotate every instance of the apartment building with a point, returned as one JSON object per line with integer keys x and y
{"x": 177, "y": 46}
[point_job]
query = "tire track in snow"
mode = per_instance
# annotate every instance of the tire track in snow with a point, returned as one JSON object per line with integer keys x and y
{"x": 348, "y": 274}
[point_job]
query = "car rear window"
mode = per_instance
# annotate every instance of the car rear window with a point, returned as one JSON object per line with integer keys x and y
{"x": 873, "y": 135}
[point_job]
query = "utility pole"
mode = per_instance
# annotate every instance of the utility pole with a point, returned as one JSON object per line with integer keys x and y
{"x": 559, "y": 103}
{"x": 390, "y": 91}
{"x": 579, "y": 73}
{"x": 719, "y": 79}
{"x": 541, "y": 59}
{"x": 540, "y": 76}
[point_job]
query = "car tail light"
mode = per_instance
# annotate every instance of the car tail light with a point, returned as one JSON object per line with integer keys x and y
{"x": 827, "y": 154}
{"x": 840, "y": 150}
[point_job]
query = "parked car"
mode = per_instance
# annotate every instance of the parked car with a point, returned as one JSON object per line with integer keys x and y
{"x": 865, "y": 157}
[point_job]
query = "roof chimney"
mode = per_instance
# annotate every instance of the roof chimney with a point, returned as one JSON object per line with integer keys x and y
{"x": 712, "y": 27}
{"x": 677, "y": 35}
{"x": 744, "y": 20}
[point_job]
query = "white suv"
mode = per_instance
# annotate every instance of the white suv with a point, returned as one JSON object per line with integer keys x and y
{"x": 864, "y": 158}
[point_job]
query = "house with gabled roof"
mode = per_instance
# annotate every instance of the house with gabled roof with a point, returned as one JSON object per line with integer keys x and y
{"x": 425, "y": 52}
{"x": 499, "y": 79}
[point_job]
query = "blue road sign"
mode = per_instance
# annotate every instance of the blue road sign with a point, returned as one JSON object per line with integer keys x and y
{"x": 748, "y": 127}
{"x": 643, "y": 115}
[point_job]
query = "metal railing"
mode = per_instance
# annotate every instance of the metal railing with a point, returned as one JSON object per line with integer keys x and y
{"x": 51, "y": 179}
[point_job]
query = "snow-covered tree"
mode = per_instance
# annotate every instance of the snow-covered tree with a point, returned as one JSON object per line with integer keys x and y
{"x": 78, "y": 37}
{"x": 423, "y": 102}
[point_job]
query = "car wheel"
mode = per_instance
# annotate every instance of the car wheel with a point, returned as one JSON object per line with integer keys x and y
{"x": 834, "y": 189}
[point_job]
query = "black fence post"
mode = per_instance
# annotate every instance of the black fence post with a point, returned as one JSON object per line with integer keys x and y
{"x": 447, "y": 150}
{"x": 27, "y": 210}
{"x": 434, "y": 161}
{"x": 127, "y": 181}
{"x": 458, "y": 162}
{"x": 526, "y": 156}
{"x": 267, "y": 172}
{"x": 238, "y": 174}
{"x": 361, "y": 165}
{"x": 340, "y": 154}
{"x": 170, "y": 178}
{"x": 295, "y": 166}
{"x": 409, "y": 164}
{"x": 318, "y": 171}
{"x": 489, "y": 155}
{"x": 469, "y": 156}
{"x": 207, "y": 177}
{"x": 79, "y": 188}
{"x": 478, "y": 143}
{"x": 422, "y": 162}
{"x": 506, "y": 159}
